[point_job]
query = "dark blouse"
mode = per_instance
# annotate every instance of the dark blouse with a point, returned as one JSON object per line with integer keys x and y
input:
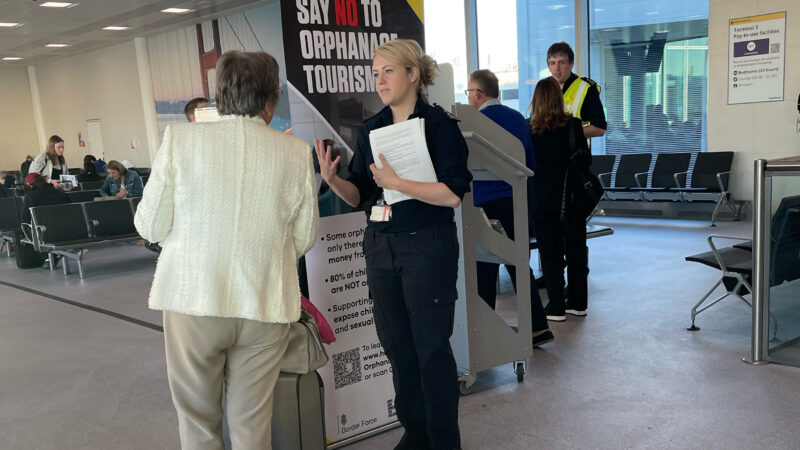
{"x": 552, "y": 151}
{"x": 448, "y": 152}
{"x": 55, "y": 174}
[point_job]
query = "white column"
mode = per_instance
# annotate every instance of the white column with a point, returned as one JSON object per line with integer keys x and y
{"x": 471, "y": 28}
{"x": 36, "y": 99}
{"x": 148, "y": 99}
{"x": 581, "y": 38}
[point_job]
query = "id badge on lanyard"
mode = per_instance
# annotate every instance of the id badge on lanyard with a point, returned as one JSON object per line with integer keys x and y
{"x": 381, "y": 212}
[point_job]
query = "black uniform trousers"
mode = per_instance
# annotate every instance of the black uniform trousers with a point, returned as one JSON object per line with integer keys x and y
{"x": 502, "y": 209}
{"x": 556, "y": 240}
{"x": 412, "y": 279}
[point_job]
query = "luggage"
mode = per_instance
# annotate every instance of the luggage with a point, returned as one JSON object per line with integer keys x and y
{"x": 27, "y": 257}
{"x": 298, "y": 412}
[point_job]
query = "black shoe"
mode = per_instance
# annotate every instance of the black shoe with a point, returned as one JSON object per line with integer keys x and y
{"x": 554, "y": 315}
{"x": 152, "y": 246}
{"x": 543, "y": 337}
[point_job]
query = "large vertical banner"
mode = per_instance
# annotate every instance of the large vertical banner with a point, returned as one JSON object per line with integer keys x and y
{"x": 329, "y": 46}
{"x": 359, "y": 396}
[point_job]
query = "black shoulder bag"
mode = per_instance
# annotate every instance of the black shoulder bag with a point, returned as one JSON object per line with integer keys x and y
{"x": 587, "y": 189}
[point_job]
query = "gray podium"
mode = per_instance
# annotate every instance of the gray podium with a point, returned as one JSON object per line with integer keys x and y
{"x": 482, "y": 339}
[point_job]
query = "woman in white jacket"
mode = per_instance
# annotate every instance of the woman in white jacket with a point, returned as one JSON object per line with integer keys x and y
{"x": 233, "y": 205}
{"x": 50, "y": 163}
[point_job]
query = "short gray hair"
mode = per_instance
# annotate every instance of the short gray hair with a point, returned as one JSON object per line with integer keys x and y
{"x": 246, "y": 82}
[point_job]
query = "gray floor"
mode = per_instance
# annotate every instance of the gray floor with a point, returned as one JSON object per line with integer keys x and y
{"x": 627, "y": 376}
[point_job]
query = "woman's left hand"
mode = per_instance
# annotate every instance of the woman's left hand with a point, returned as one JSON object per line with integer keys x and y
{"x": 122, "y": 193}
{"x": 385, "y": 177}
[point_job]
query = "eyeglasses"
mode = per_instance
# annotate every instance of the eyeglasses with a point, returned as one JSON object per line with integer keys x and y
{"x": 467, "y": 91}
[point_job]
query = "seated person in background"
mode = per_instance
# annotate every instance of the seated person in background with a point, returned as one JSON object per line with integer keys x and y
{"x": 4, "y": 188}
{"x": 193, "y": 104}
{"x": 100, "y": 166}
{"x": 25, "y": 167}
{"x": 89, "y": 170}
{"x": 121, "y": 182}
{"x": 42, "y": 193}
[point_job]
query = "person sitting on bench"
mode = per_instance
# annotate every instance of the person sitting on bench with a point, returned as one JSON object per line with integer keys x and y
{"x": 121, "y": 182}
{"x": 41, "y": 194}
{"x": 89, "y": 170}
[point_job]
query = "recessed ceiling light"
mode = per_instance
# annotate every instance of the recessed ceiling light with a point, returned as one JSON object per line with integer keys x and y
{"x": 9, "y": 24}
{"x": 56, "y": 45}
{"x": 11, "y": 58}
{"x": 57, "y": 5}
{"x": 115, "y": 28}
{"x": 176, "y": 10}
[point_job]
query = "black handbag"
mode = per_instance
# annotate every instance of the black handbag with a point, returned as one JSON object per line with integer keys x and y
{"x": 26, "y": 256}
{"x": 586, "y": 189}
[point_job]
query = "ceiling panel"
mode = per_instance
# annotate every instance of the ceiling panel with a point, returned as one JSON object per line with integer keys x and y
{"x": 81, "y": 26}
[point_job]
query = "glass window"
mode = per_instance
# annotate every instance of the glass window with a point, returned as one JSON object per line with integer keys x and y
{"x": 496, "y": 30}
{"x": 445, "y": 39}
{"x": 651, "y": 60}
{"x": 540, "y": 24}
{"x": 533, "y": 25}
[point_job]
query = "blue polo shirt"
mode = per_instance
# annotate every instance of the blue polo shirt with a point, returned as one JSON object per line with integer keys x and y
{"x": 513, "y": 122}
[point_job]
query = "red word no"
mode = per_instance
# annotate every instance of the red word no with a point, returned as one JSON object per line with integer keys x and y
{"x": 346, "y": 12}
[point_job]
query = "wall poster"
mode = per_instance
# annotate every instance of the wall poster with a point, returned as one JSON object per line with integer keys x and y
{"x": 756, "y": 58}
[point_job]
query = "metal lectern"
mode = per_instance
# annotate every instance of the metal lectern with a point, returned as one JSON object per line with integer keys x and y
{"x": 482, "y": 339}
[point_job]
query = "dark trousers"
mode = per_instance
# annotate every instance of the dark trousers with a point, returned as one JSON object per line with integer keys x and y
{"x": 412, "y": 280}
{"x": 557, "y": 240}
{"x": 502, "y": 209}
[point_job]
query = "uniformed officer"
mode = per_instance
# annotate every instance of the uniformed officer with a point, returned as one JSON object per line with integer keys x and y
{"x": 411, "y": 247}
{"x": 581, "y": 100}
{"x": 581, "y": 94}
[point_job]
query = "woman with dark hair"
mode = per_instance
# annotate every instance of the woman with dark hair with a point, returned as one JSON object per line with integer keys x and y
{"x": 51, "y": 164}
{"x": 227, "y": 314}
{"x": 560, "y": 230}
{"x": 121, "y": 182}
{"x": 411, "y": 247}
{"x": 89, "y": 170}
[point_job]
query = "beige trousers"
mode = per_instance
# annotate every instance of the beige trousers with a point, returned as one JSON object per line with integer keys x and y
{"x": 205, "y": 353}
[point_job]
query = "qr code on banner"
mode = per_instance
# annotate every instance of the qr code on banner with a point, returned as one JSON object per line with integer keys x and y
{"x": 346, "y": 368}
{"x": 390, "y": 408}
{"x": 775, "y": 48}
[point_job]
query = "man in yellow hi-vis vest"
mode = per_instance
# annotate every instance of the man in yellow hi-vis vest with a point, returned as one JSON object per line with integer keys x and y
{"x": 581, "y": 95}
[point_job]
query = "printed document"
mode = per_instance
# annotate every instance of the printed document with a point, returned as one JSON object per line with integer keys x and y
{"x": 404, "y": 147}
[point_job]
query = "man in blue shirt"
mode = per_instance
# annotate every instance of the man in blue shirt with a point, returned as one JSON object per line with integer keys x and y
{"x": 495, "y": 196}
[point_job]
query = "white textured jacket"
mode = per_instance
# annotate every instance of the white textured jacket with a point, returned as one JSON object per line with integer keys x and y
{"x": 44, "y": 167}
{"x": 233, "y": 204}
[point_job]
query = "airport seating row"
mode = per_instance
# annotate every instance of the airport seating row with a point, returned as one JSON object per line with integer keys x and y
{"x": 629, "y": 177}
{"x": 68, "y": 230}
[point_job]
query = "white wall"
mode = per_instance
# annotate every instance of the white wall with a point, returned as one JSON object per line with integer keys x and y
{"x": 104, "y": 85}
{"x": 17, "y": 128}
{"x": 753, "y": 131}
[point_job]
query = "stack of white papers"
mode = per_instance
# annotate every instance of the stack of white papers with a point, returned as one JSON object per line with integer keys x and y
{"x": 404, "y": 147}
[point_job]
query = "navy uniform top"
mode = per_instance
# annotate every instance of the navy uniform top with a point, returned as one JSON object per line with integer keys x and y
{"x": 448, "y": 152}
{"x": 592, "y": 108}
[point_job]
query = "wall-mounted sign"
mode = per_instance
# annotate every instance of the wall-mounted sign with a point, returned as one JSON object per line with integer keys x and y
{"x": 756, "y": 58}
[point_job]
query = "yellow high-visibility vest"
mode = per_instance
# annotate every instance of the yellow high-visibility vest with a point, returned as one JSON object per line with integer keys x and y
{"x": 575, "y": 95}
